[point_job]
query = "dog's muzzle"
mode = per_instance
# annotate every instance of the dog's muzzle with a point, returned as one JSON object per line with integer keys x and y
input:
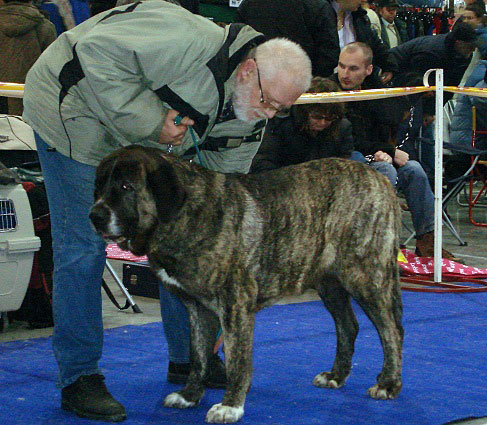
{"x": 100, "y": 218}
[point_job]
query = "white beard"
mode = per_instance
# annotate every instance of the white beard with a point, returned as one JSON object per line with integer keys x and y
{"x": 241, "y": 104}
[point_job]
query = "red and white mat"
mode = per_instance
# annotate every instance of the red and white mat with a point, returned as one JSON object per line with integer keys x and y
{"x": 418, "y": 271}
{"x": 424, "y": 266}
{"x": 114, "y": 252}
{"x": 457, "y": 277}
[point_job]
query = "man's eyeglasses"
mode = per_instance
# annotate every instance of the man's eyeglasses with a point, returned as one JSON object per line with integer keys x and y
{"x": 270, "y": 106}
{"x": 319, "y": 117}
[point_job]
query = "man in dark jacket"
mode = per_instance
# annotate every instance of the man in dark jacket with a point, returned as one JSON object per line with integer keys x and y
{"x": 392, "y": 30}
{"x": 354, "y": 25}
{"x": 374, "y": 124}
{"x": 451, "y": 51}
{"x": 310, "y": 23}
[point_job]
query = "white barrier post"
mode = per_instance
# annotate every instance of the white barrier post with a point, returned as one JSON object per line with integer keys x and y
{"x": 438, "y": 168}
{"x": 438, "y": 174}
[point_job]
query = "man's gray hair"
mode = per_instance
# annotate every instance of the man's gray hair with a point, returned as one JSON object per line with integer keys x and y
{"x": 282, "y": 60}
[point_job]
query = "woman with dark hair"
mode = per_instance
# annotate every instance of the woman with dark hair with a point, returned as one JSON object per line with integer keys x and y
{"x": 311, "y": 131}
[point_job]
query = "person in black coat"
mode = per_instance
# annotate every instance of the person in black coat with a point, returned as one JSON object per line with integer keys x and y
{"x": 310, "y": 23}
{"x": 451, "y": 51}
{"x": 311, "y": 131}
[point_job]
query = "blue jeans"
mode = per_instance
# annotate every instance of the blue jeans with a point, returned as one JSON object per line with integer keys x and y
{"x": 175, "y": 320}
{"x": 357, "y": 156}
{"x": 79, "y": 261}
{"x": 413, "y": 182}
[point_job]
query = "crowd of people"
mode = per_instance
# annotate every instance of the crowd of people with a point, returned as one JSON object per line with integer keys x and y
{"x": 154, "y": 69}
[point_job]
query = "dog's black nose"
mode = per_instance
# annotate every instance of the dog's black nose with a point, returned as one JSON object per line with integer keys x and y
{"x": 98, "y": 218}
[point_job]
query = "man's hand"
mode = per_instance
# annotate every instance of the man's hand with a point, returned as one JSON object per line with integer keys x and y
{"x": 400, "y": 158}
{"x": 386, "y": 77}
{"x": 172, "y": 134}
{"x": 380, "y": 156}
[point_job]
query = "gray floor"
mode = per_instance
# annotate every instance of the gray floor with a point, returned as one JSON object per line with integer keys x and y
{"x": 474, "y": 254}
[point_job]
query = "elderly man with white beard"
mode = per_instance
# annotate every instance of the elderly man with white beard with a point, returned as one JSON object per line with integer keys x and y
{"x": 141, "y": 74}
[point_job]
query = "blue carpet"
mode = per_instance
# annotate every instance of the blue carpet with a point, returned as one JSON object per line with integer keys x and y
{"x": 444, "y": 376}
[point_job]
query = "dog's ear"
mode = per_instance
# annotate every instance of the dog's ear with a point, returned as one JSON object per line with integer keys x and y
{"x": 103, "y": 172}
{"x": 167, "y": 191}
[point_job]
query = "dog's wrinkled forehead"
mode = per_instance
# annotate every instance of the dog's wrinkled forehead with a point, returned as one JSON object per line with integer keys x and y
{"x": 125, "y": 165}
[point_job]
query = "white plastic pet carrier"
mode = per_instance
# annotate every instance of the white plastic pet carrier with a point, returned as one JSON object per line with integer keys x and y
{"x": 17, "y": 246}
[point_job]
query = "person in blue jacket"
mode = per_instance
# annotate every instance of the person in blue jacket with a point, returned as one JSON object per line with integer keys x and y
{"x": 461, "y": 124}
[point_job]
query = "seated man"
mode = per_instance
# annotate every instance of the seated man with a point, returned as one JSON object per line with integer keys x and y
{"x": 311, "y": 131}
{"x": 374, "y": 124}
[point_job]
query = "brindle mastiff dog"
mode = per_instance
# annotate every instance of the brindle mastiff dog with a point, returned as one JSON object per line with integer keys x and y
{"x": 230, "y": 245}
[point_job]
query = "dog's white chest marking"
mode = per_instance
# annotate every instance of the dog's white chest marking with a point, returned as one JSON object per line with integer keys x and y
{"x": 162, "y": 274}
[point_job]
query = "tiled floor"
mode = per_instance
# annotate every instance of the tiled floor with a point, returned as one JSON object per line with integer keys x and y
{"x": 474, "y": 254}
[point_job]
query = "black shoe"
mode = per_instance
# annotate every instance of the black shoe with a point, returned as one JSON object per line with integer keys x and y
{"x": 88, "y": 397}
{"x": 217, "y": 375}
{"x": 216, "y": 378}
{"x": 177, "y": 373}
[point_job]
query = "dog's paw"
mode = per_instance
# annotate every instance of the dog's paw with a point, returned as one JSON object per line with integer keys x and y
{"x": 178, "y": 401}
{"x": 220, "y": 414}
{"x": 325, "y": 380}
{"x": 382, "y": 393}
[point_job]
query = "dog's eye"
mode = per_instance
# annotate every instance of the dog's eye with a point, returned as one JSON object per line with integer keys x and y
{"x": 127, "y": 187}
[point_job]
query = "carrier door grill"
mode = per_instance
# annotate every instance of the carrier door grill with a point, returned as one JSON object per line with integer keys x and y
{"x": 8, "y": 217}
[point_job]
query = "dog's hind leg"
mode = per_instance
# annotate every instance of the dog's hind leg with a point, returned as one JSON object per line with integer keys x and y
{"x": 383, "y": 306}
{"x": 204, "y": 326}
{"x": 337, "y": 301}
{"x": 238, "y": 332}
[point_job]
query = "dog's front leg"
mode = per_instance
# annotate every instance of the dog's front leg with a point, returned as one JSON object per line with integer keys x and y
{"x": 204, "y": 326}
{"x": 238, "y": 333}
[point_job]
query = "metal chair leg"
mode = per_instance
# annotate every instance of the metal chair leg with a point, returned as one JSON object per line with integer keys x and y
{"x": 130, "y": 300}
{"x": 447, "y": 222}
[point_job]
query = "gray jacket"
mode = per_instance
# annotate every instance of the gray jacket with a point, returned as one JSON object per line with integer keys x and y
{"x": 111, "y": 80}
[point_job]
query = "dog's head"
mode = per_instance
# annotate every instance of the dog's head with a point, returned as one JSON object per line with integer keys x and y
{"x": 135, "y": 189}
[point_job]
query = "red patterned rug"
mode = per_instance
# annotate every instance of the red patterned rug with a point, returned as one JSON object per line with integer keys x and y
{"x": 418, "y": 271}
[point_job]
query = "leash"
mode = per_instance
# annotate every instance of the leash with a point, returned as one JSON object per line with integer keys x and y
{"x": 195, "y": 143}
{"x": 177, "y": 121}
